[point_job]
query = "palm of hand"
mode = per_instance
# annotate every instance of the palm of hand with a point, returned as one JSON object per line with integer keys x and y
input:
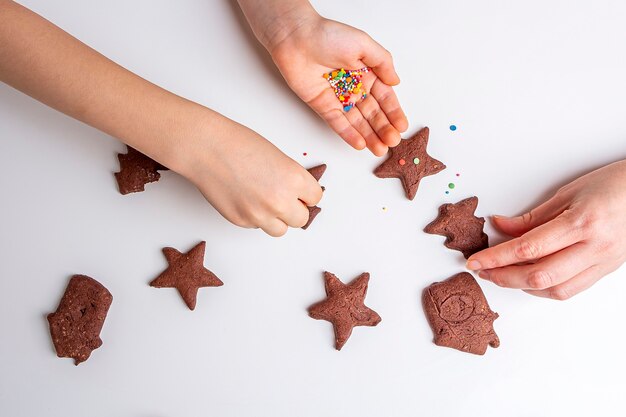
{"x": 322, "y": 46}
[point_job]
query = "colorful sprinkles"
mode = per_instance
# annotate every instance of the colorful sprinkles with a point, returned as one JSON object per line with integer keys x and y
{"x": 347, "y": 83}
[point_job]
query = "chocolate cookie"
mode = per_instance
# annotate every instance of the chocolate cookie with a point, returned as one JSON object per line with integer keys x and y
{"x": 186, "y": 273}
{"x": 317, "y": 173}
{"x": 75, "y": 325}
{"x": 463, "y": 230}
{"x": 410, "y": 162}
{"x": 344, "y": 306}
{"x": 459, "y": 315}
{"x": 136, "y": 170}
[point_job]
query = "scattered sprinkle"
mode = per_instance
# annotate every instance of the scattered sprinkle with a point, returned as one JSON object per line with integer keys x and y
{"x": 416, "y": 161}
{"x": 305, "y": 154}
{"x": 384, "y": 208}
{"x": 451, "y": 186}
{"x": 453, "y": 127}
{"x": 447, "y": 192}
{"x": 345, "y": 83}
{"x": 458, "y": 175}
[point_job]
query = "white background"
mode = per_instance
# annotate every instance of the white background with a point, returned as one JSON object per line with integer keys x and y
{"x": 537, "y": 91}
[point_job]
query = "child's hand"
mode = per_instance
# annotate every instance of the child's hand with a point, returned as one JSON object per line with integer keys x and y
{"x": 248, "y": 180}
{"x": 567, "y": 243}
{"x": 318, "y": 46}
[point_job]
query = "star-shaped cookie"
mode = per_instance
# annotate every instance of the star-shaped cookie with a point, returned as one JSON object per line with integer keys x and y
{"x": 186, "y": 273}
{"x": 317, "y": 173}
{"x": 410, "y": 162}
{"x": 136, "y": 170}
{"x": 344, "y": 306}
{"x": 459, "y": 315}
{"x": 463, "y": 230}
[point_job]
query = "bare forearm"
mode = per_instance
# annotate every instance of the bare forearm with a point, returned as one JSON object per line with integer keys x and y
{"x": 273, "y": 20}
{"x": 43, "y": 61}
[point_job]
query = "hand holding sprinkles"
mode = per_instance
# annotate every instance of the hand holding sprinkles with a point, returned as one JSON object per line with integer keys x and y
{"x": 346, "y": 83}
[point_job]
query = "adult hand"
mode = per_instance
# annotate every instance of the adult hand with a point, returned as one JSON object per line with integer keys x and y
{"x": 566, "y": 244}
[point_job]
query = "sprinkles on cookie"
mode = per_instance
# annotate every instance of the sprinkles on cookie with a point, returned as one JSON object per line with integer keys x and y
{"x": 346, "y": 83}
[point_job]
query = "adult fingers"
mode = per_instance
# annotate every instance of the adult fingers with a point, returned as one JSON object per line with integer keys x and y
{"x": 374, "y": 143}
{"x": 378, "y": 121}
{"x": 380, "y": 60}
{"x": 572, "y": 287}
{"x": 388, "y": 102}
{"x": 548, "y": 272}
{"x": 541, "y": 241}
{"x": 275, "y": 227}
{"x": 518, "y": 225}
{"x": 329, "y": 109}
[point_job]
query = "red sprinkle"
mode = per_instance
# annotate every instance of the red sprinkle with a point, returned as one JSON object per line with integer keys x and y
{"x": 402, "y": 162}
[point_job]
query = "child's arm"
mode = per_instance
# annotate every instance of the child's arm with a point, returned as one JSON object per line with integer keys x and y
{"x": 304, "y": 46}
{"x": 246, "y": 178}
{"x": 567, "y": 243}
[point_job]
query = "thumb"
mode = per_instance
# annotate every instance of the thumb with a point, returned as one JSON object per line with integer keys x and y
{"x": 380, "y": 61}
{"x": 519, "y": 225}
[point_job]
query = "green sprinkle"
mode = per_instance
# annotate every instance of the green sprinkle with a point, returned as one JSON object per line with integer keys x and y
{"x": 416, "y": 161}
{"x": 451, "y": 186}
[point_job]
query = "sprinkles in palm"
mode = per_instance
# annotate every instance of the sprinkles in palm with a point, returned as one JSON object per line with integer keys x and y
{"x": 346, "y": 83}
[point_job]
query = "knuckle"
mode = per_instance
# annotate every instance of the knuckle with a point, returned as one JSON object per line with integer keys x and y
{"x": 540, "y": 279}
{"x": 527, "y": 218}
{"x": 373, "y": 113}
{"x": 241, "y": 221}
{"x": 496, "y": 279}
{"x": 560, "y": 294}
{"x": 526, "y": 250}
{"x": 278, "y": 232}
{"x": 581, "y": 222}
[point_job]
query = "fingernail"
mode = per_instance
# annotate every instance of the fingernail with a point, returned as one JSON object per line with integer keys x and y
{"x": 483, "y": 274}
{"x": 474, "y": 265}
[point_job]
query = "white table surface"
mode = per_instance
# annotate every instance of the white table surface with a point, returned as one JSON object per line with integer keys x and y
{"x": 537, "y": 91}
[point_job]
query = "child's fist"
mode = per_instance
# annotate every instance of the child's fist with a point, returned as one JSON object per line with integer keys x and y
{"x": 250, "y": 181}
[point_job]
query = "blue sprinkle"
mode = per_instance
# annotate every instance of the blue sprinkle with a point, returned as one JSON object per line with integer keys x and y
{"x": 347, "y": 108}
{"x": 447, "y": 192}
{"x": 453, "y": 127}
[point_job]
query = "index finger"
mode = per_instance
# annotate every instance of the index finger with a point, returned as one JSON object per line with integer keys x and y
{"x": 541, "y": 241}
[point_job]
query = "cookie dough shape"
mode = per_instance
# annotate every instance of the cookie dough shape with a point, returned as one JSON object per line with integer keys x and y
{"x": 76, "y": 324}
{"x": 186, "y": 273}
{"x": 462, "y": 229}
{"x": 459, "y": 314}
{"x": 317, "y": 173}
{"x": 136, "y": 170}
{"x": 344, "y": 306}
{"x": 410, "y": 162}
